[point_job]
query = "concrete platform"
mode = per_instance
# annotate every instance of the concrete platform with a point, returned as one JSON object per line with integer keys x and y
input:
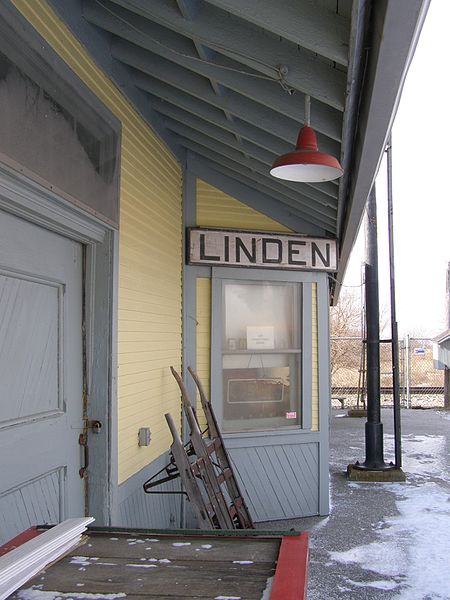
{"x": 384, "y": 540}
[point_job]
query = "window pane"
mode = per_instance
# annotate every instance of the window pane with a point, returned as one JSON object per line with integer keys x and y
{"x": 261, "y": 356}
{"x": 263, "y": 393}
{"x": 265, "y": 311}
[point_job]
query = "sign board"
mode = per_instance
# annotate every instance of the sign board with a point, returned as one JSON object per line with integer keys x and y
{"x": 419, "y": 351}
{"x": 260, "y": 337}
{"x": 261, "y": 250}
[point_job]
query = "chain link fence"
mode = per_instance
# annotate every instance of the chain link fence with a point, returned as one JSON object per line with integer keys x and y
{"x": 421, "y": 385}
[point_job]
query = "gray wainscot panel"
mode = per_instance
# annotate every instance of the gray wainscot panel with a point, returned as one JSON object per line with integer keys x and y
{"x": 140, "y": 510}
{"x": 279, "y": 476}
{"x": 35, "y": 502}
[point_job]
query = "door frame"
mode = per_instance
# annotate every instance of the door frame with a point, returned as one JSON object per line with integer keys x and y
{"x": 24, "y": 197}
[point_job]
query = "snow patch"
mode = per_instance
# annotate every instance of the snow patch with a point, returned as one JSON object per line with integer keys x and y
{"x": 80, "y": 560}
{"x": 268, "y": 589}
{"x": 179, "y": 544}
{"x": 379, "y": 585}
{"x": 424, "y": 517}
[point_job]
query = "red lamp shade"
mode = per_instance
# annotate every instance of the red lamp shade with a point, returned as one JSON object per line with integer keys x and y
{"x": 306, "y": 163}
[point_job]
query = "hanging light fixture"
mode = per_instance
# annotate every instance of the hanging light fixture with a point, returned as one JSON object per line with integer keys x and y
{"x": 306, "y": 163}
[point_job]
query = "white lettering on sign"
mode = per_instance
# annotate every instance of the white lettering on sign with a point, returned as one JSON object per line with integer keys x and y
{"x": 255, "y": 249}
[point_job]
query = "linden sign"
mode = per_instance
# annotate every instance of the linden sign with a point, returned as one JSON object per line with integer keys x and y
{"x": 258, "y": 249}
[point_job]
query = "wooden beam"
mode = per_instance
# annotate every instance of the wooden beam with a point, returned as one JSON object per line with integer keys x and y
{"x": 305, "y": 23}
{"x": 243, "y": 132}
{"x": 149, "y": 39}
{"x": 264, "y": 204}
{"x": 197, "y": 129}
{"x": 191, "y": 92}
{"x": 234, "y": 152}
{"x": 189, "y": 8}
{"x": 263, "y": 185}
{"x": 265, "y": 93}
{"x": 291, "y": 576}
{"x": 233, "y": 37}
{"x": 231, "y": 163}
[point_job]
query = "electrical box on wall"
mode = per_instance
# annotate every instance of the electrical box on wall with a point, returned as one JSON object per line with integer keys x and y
{"x": 144, "y": 436}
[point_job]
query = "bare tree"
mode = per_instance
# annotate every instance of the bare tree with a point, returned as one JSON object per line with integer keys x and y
{"x": 346, "y": 316}
{"x": 346, "y": 343}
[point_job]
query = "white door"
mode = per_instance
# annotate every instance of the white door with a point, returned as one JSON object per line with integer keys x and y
{"x": 41, "y": 376}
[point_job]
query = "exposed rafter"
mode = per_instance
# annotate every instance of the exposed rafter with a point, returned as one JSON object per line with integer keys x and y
{"x": 255, "y": 48}
{"x": 170, "y": 83}
{"x": 248, "y": 145}
{"x": 150, "y": 40}
{"x": 307, "y": 24}
{"x": 223, "y": 82}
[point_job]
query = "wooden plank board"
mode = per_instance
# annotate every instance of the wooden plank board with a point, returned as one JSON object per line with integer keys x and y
{"x": 145, "y": 578}
{"x": 188, "y": 548}
{"x": 139, "y": 565}
{"x": 291, "y": 576}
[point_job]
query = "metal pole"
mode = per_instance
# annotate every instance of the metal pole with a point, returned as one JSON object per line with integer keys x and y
{"x": 394, "y": 326}
{"x": 408, "y": 372}
{"x": 447, "y": 370}
{"x": 374, "y": 427}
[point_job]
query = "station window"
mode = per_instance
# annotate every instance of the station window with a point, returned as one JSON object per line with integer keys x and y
{"x": 261, "y": 355}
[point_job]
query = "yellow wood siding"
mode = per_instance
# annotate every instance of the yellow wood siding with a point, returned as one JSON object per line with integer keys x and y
{"x": 315, "y": 362}
{"x": 150, "y": 255}
{"x": 216, "y": 209}
{"x": 203, "y": 340}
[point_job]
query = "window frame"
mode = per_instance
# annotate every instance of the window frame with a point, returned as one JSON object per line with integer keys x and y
{"x": 221, "y": 275}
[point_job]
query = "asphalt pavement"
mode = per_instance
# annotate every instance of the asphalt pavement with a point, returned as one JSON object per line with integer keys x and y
{"x": 384, "y": 540}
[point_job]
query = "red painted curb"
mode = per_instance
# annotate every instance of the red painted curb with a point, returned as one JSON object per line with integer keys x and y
{"x": 20, "y": 539}
{"x": 291, "y": 575}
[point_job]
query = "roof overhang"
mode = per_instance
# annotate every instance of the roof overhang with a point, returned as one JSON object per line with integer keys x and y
{"x": 223, "y": 83}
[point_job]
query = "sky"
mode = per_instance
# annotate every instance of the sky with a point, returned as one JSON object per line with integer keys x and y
{"x": 421, "y": 206}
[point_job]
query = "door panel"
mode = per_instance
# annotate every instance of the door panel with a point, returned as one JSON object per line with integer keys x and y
{"x": 30, "y": 313}
{"x": 40, "y": 376}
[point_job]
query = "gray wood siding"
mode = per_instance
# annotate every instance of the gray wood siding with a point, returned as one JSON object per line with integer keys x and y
{"x": 35, "y": 503}
{"x": 140, "y": 510}
{"x": 280, "y": 481}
